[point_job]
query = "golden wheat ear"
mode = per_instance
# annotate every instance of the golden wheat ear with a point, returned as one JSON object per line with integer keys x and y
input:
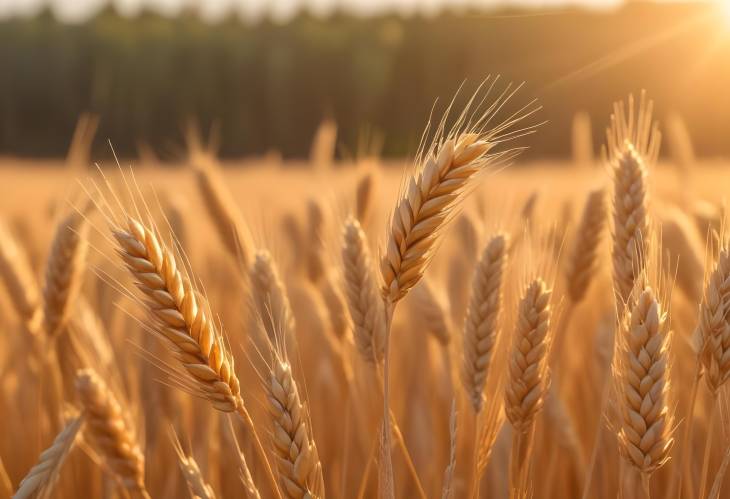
{"x": 582, "y": 265}
{"x": 64, "y": 271}
{"x": 44, "y": 475}
{"x": 633, "y": 142}
{"x": 17, "y": 274}
{"x": 433, "y": 195}
{"x": 108, "y": 427}
{"x": 642, "y": 378}
{"x": 481, "y": 326}
{"x": 363, "y": 300}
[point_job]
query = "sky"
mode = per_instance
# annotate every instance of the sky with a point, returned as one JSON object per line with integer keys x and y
{"x": 74, "y": 10}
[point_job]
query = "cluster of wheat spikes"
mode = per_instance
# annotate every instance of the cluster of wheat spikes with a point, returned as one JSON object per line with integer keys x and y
{"x": 542, "y": 354}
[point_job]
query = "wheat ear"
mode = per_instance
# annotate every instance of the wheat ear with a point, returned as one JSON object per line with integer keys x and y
{"x": 432, "y": 310}
{"x": 181, "y": 315}
{"x": 64, "y": 271}
{"x": 108, "y": 427}
{"x": 223, "y": 210}
{"x": 633, "y": 145}
{"x": 182, "y": 318}
{"x": 428, "y": 204}
{"x": 198, "y": 487}
{"x": 642, "y": 377}
{"x": 19, "y": 281}
{"x": 482, "y": 318}
{"x": 364, "y": 194}
{"x": 528, "y": 368}
{"x": 42, "y": 477}
{"x": 366, "y": 308}
{"x": 714, "y": 324}
{"x": 270, "y": 298}
{"x": 297, "y": 460}
{"x": 582, "y": 264}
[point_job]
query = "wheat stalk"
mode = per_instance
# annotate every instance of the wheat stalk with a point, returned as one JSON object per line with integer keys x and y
{"x": 447, "y": 489}
{"x": 482, "y": 319}
{"x": 108, "y": 427}
{"x": 64, "y": 271}
{"x": 582, "y": 264}
{"x": 297, "y": 460}
{"x": 366, "y": 309}
{"x": 642, "y": 377}
{"x": 42, "y": 477}
{"x": 19, "y": 281}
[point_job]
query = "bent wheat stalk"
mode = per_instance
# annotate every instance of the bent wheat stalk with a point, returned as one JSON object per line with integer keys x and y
{"x": 430, "y": 199}
{"x": 43, "y": 476}
{"x": 181, "y": 317}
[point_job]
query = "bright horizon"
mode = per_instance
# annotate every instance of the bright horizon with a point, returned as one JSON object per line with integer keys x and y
{"x": 75, "y": 10}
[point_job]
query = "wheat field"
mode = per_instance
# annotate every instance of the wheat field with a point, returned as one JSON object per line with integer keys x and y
{"x": 459, "y": 324}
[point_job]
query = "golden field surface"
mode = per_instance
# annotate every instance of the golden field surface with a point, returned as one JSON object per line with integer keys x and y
{"x": 212, "y": 329}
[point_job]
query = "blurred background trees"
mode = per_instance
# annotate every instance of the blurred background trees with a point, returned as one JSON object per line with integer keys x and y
{"x": 267, "y": 85}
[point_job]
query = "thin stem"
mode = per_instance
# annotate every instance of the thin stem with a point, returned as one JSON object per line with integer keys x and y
{"x": 243, "y": 413}
{"x": 645, "y": 485}
{"x": 409, "y": 462}
{"x": 676, "y": 483}
{"x": 596, "y": 442}
{"x": 708, "y": 447}
{"x": 476, "y": 478}
{"x": 404, "y": 449}
{"x": 519, "y": 462}
{"x": 366, "y": 473}
{"x": 386, "y": 466}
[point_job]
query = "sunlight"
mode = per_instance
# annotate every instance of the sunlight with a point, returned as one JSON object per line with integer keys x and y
{"x": 725, "y": 10}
